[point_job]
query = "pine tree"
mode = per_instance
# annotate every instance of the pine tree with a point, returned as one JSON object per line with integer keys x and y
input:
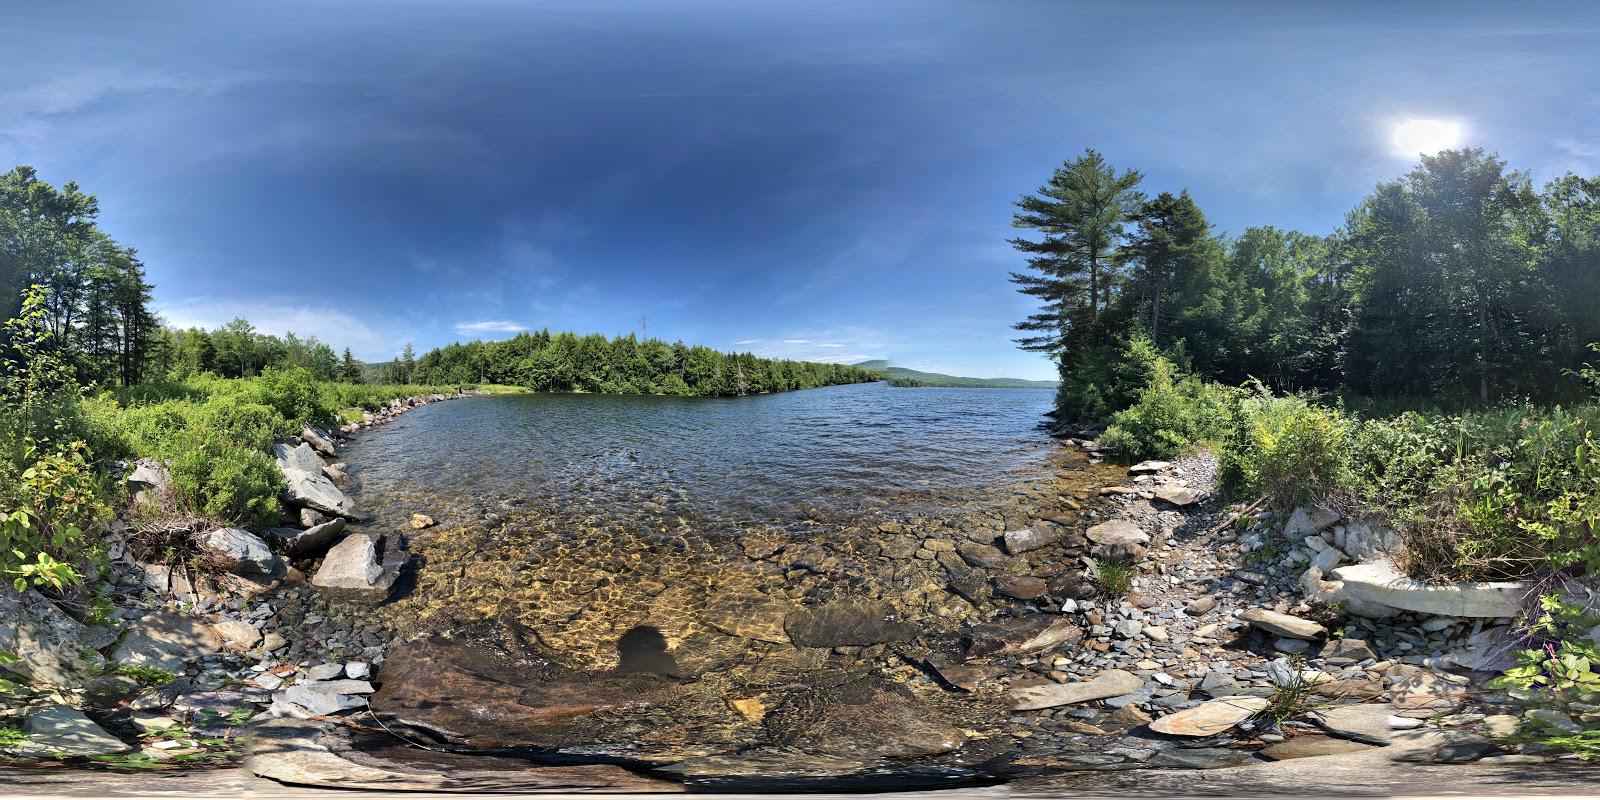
{"x": 349, "y": 368}
{"x": 1081, "y": 213}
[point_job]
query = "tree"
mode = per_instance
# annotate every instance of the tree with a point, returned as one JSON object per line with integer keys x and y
{"x": 1081, "y": 213}
{"x": 408, "y": 363}
{"x": 349, "y": 368}
{"x": 1450, "y": 301}
{"x": 1171, "y": 252}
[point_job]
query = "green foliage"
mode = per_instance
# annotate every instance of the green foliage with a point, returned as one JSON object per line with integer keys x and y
{"x": 294, "y": 393}
{"x": 12, "y": 737}
{"x": 1285, "y": 449}
{"x": 564, "y": 362}
{"x": 226, "y": 481}
{"x": 1105, "y": 379}
{"x": 1558, "y": 671}
{"x": 1114, "y": 576}
{"x": 48, "y": 495}
{"x": 146, "y": 675}
{"x": 1172, "y": 414}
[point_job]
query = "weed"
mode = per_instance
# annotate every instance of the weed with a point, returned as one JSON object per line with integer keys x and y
{"x": 1114, "y": 576}
{"x": 147, "y": 676}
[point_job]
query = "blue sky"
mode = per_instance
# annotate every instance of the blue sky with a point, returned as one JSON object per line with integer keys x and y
{"x": 815, "y": 180}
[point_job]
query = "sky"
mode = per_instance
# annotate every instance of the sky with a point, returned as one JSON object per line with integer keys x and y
{"x": 818, "y": 180}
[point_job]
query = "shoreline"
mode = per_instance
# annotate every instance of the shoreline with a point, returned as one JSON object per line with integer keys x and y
{"x": 1076, "y": 642}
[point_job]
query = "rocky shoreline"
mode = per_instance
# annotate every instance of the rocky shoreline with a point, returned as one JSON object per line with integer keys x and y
{"x": 928, "y": 650}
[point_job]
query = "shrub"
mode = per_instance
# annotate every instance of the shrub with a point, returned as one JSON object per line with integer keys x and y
{"x": 249, "y": 425}
{"x": 294, "y": 393}
{"x": 1173, "y": 413}
{"x": 1105, "y": 379}
{"x": 1286, "y": 450}
{"x": 229, "y": 482}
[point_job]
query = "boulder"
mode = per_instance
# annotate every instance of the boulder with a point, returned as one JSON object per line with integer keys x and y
{"x": 1118, "y": 538}
{"x": 1020, "y": 587}
{"x": 1176, "y": 494}
{"x": 62, "y": 731}
{"x": 50, "y": 647}
{"x": 982, "y": 555}
{"x": 1020, "y": 635}
{"x": 1111, "y": 683}
{"x": 1307, "y": 521}
{"x": 1283, "y": 624}
{"x": 1144, "y": 467}
{"x": 1032, "y": 538}
{"x": 167, "y": 640}
{"x": 1211, "y": 717}
{"x": 1380, "y": 584}
{"x": 356, "y": 568}
{"x": 304, "y": 483}
{"x": 846, "y": 623}
{"x": 244, "y": 552}
{"x": 297, "y": 542}
{"x": 238, "y": 634}
{"x": 1362, "y": 722}
{"x": 329, "y": 697}
{"x": 317, "y": 441}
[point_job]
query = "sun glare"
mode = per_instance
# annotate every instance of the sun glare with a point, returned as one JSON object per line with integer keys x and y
{"x": 1413, "y": 137}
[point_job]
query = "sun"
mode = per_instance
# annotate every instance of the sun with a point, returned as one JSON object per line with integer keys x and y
{"x": 1413, "y": 137}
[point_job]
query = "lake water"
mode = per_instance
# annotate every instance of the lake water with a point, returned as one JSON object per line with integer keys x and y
{"x": 724, "y": 462}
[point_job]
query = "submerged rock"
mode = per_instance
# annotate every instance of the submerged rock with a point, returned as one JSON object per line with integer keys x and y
{"x": 847, "y": 623}
{"x": 1019, "y": 635}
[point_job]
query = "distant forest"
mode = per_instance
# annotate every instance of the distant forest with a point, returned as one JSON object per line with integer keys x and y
{"x": 566, "y": 362}
{"x": 902, "y": 377}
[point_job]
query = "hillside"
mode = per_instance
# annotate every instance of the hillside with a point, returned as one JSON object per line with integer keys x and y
{"x": 901, "y": 376}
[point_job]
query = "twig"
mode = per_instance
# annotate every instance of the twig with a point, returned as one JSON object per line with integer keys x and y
{"x": 1234, "y": 517}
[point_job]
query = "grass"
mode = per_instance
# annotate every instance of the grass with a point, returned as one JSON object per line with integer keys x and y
{"x": 1289, "y": 699}
{"x": 12, "y": 737}
{"x": 146, "y": 676}
{"x": 1114, "y": 576}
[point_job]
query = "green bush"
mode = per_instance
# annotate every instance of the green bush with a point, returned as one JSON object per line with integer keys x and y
{"x": 250, "y": 425}
{"x": 294, "y": 393}
{"x": 229, "y": 482}
{"x": 1172, "y": 414}
{"x": 1105, "y": 379}
{"x": 1286, "y": 450}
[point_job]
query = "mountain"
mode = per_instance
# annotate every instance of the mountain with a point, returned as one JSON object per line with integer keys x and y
{"x": 900, "y": 376}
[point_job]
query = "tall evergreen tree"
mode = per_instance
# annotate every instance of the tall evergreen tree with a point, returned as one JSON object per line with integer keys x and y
{"x": 349, "y": 368}
{"x": 1081, "y": 213}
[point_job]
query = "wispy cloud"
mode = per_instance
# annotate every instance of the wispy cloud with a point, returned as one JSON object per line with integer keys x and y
{"x": 339, "y": 329}
{"x": 797, "y": 341}
{"x": 489, "y": 326}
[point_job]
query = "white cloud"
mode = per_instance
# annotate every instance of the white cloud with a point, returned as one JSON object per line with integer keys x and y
{"x": 339, "y": 329}
{"x": 797, "y": 341}
{"x": 829, "y": 344}
{"x": 490, "y": 326}
{"x": 748, "y": 341}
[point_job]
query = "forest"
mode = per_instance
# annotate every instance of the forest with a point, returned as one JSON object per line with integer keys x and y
{"x": 1458, "y": 282}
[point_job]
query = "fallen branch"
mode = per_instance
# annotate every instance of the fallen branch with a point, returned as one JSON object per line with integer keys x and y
{"x": 1234, "y": 517}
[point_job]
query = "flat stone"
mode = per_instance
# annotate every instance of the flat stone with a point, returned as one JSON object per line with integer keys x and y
{"x": 1312, "y": 747}
{"x": 62, "y": 731}
{"x": 304, "y": 483}
{"x": 1110, "y": 683}
{"x": 1200, "y": 758}
{"x": 167, "y": 640}
{"x": 847, "y": 623}
{"x": 1379, "y": 583}
{"x": 1425, "y": 692}
{"x": 1211, "y": 717}
{"x": 1363, "y": 722}
{"x": 1144, "y": 467}
{"x": 1341, "y": 652}
{"x": 1200, "y": 606}
{"x": 1177, "y": 495}
{"x": 982, "y": 555}
{"x": 300, "y": 753}
{"x": 1283, "y": 624}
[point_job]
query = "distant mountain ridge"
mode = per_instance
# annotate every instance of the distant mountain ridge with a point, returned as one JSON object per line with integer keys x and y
{"x": 900, "y": 376}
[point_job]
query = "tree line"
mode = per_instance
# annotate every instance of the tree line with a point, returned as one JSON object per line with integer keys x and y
{"x": 1457, "y": 280}
{"x": 566, "y": 362}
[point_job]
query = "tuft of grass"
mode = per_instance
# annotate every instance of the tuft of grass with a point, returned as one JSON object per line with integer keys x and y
{"x": 12, "y": 737}
{"x": 147, "y": 676}
{"x": 1114, "y": 576}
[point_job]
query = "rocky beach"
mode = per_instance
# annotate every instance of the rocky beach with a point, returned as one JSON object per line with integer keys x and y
{"x": 479, "y": 643}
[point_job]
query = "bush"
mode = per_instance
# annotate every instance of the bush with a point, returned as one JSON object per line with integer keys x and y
{"x": 1105, "y": 380}
{"x": 249, "y": 425}
{"x": 294, "y": 393}
{"x": 1286, "y": 450}
{"x": 225, "y": 481}
{"x": 1173, "y": 413}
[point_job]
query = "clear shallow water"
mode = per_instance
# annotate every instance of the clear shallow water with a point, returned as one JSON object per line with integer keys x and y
{"x": 723, "y": 463}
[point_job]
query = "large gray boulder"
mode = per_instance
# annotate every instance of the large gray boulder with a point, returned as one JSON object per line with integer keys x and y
{"x": 1118, "y": 538}
{"x": 1307, "y": 521}
{"x": 50, "y": 647}
{"x": 355, "y": 568}
{"x": 1379, "y": 583}
{"x": 304, "y": 483}
{"x": 244, "y": 551}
